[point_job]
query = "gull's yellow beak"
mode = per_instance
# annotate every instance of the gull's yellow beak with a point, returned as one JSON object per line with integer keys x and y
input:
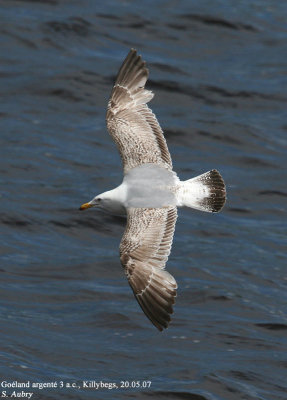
{"x": 85, "y": 206}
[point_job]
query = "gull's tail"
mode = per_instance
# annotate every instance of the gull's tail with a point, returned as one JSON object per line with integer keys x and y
{"x": 205, "y": 192}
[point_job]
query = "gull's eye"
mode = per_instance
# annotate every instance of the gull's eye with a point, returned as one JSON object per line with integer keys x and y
{"x": 99, "y": 199}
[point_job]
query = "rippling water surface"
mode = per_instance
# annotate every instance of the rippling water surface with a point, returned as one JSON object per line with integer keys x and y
{"x": 218, "y": 70}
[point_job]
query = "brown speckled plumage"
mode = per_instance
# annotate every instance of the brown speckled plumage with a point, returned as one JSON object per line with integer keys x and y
{"x": 150, "y": 192}
{"x": 130, "y": 122}
{"x": 144, "y": 251}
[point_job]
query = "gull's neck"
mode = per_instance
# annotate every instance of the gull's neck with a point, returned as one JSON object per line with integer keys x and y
{"x": 113, "y": 201}
{"x": 118, "y": 194}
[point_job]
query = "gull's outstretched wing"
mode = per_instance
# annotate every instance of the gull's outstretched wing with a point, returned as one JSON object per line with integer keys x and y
{"x": 144, "y": 251}
{"x": 130, "y": 122}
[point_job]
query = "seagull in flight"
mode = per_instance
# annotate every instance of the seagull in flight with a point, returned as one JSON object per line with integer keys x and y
{"x": 149, "y": 193}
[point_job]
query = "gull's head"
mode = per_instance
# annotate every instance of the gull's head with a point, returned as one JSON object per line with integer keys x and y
{"x": 95, "y": 202}
{"x": 110, "y": 202}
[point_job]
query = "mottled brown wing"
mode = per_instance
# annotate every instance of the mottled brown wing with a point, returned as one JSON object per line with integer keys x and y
{"x": 130, "y": 122}
{"x": 144, "y": 251}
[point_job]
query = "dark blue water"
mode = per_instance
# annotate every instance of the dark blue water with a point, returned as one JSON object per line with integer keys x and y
{"x": 218, "y": 70}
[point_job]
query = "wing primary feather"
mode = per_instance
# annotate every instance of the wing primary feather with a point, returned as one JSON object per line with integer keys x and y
{"x": 125, "y": 66}
{"x": 154, "y": 297}
{"x": 154, "y": 317}
{"x": 132, "y": 67}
